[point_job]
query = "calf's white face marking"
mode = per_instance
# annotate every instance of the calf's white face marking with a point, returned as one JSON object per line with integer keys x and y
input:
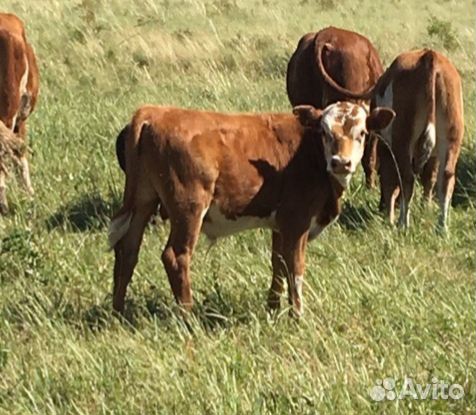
{"x": 344, "y": 131}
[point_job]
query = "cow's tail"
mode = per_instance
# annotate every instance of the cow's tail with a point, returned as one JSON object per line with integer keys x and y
{"x": 427, "y": 140}
{"x": 122, "y": 219}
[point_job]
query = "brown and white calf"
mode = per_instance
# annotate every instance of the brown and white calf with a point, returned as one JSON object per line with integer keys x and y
{"x": 424, "y": 89}
{"x": 328, "y": 56}
{"x": 19, "y": 83}
{"x": 285, "y": 172}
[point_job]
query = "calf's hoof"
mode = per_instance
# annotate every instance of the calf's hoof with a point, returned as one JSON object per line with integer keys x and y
{"x": 295, "y": 313}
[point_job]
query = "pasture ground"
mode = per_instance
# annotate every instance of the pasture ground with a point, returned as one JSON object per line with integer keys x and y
{"x": 379, "y": 303}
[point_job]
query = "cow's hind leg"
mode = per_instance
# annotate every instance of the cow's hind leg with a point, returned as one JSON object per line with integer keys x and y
{"x": 389, "y": 183}
{"x": 185, "y": 229}
{"x": 127, "y": 250}
{"x": 407, "y": 185}
{"x": 446, "y": 182}
{"x": 408, "y": 182}
{"x": 428, "y": 178}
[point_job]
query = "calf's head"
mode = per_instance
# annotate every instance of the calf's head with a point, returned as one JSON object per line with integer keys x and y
{"x": 342, "y": 127}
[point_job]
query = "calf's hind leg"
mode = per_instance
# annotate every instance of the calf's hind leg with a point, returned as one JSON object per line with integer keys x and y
{"x": 127, "y": 251}
{"x": 184, "y": 232}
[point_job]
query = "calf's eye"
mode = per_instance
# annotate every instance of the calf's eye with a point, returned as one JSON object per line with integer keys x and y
{"x": 361, "y": 136}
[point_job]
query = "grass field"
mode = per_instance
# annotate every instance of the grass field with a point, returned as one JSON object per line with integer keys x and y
{"x": 379, "y": 303}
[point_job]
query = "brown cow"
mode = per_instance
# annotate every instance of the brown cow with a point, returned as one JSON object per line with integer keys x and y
{"x": 424, "y": 89}
{"x": 19, "y": 83}
{"x": 350, "y": 59}
{"x": 280, "y": 171}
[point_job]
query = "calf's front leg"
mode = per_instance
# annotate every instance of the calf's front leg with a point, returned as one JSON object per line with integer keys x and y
{"x": 279, "y": 273}
{"x": 294, "y": 251}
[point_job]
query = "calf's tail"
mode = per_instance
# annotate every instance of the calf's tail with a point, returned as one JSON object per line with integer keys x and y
{"x": 427, "y": 141}
{"x": 130, "y": 157}
{"x": 121, "y": 147}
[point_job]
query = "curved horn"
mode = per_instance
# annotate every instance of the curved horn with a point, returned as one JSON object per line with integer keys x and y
{"x": 365, "y": 95}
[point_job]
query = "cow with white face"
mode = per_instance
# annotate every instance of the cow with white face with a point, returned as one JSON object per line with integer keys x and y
{"x": 344, "y": 127}
{"x": 223, "y": 173}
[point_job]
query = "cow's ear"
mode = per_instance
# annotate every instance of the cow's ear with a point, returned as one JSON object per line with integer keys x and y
{"x": 307, "y": 115}
{"x": 379, "y": 118}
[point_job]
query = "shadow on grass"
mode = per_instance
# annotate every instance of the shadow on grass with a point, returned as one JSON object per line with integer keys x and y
{"x": 88, "y": 212}
{"x": 354, "y": 217}
{"x": 214, "y": 312}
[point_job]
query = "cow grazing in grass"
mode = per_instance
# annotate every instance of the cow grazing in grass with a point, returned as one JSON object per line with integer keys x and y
{"x": 424, "y": 89}
{"x": 350, "y": 59}
{"x": 19, "y": 82}
{"x": 286, "y": 172}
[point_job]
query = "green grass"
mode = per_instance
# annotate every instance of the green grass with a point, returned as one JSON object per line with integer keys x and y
{"x": 379, "y": 303}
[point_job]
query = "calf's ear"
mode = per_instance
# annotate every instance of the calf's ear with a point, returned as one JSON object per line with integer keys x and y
{"x": 379, "y": 118}
{"x": 307, "y": 115}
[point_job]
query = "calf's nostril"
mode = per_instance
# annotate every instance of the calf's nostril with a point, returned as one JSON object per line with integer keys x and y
{"x": 341, "y": 165}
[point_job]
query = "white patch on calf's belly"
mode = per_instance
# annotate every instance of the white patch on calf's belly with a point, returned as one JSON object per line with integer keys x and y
{"x": 316, "y": 228}
{"x": 216, "y": 225}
